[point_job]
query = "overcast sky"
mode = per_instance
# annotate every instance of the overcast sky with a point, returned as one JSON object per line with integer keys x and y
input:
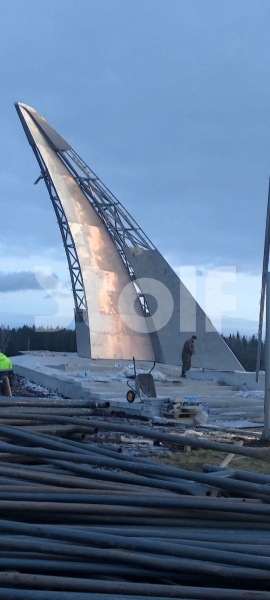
{"x": 168, "y": 101}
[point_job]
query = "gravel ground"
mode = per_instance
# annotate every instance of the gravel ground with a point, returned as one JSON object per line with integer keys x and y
{"x": 27, "y": 389}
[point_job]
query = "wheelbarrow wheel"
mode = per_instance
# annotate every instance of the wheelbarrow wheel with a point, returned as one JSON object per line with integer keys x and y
{"x": 130, "y": 396}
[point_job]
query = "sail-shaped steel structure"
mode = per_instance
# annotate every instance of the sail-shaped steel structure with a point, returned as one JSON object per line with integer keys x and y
{"x": 128, "y": 300}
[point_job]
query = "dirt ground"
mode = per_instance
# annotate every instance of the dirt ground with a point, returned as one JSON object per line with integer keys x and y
{"x": 195, "y": 459}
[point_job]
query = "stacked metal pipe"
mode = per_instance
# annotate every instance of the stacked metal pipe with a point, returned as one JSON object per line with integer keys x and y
{"x": 81, "y": 520}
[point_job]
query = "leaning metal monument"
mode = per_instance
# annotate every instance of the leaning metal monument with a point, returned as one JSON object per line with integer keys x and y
{"x": 128, "y": 300}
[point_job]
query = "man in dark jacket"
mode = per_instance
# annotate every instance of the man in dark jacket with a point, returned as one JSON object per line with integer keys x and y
{"x": 188, "y": 350}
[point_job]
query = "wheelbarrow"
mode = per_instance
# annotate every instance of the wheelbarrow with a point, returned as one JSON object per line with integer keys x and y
{"x": 144, "y": 385}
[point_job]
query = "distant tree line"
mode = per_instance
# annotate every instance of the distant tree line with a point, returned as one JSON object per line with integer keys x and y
{"x": 245, "y": 349}
{"x": 13, "y": 341}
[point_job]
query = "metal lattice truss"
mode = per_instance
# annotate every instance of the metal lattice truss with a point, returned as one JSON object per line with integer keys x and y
{"x": 70, "y": 248}
{"x": 122, "y": 228}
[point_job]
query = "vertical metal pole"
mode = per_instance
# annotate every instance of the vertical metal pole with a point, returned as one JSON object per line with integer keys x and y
{"x": 264, "y": 275}
{"x": 265, "y": 434}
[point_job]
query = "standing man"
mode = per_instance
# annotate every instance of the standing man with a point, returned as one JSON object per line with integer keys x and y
{"x": 188, "y": 350}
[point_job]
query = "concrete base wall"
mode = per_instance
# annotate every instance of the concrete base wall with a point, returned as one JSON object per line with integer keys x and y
{"x": 235, "y": 378}
{"x": 64, "y": 388}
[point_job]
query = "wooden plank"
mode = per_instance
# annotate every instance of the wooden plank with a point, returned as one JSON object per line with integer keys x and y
{"x": 229, "y": 457}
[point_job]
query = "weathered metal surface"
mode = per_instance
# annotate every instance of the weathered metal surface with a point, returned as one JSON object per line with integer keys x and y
{"x": 103, "y": 272}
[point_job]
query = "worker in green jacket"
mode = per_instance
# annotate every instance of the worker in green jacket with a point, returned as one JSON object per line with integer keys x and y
{"x": 5, "y": 363}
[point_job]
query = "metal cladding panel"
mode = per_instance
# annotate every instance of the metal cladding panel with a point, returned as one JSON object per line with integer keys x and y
{"x": 52, "y": 136}
{"x": 103, "y": 272}
{"x": 178, "y": 316}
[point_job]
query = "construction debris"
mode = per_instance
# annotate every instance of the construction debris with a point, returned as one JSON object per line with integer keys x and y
{"x": 184, "y": 411}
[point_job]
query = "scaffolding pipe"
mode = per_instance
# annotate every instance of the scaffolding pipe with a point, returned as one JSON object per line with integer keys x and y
{"x": 169, "y": 438}
{"x": 125, "y": 589}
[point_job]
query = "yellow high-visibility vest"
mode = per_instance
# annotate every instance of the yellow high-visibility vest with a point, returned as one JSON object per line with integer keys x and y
{"x": 5, "y": 363}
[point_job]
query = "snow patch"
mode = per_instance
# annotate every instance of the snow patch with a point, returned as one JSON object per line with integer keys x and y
{"x": 128, "y": 372}
{"x": 240, "y": 424}
{"x": 250, "y": 394}
{"x": 35, "y": 387}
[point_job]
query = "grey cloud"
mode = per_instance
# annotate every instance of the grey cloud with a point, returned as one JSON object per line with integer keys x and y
{"x": 26, "y": 280}
{"x": 59, "y": 294}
